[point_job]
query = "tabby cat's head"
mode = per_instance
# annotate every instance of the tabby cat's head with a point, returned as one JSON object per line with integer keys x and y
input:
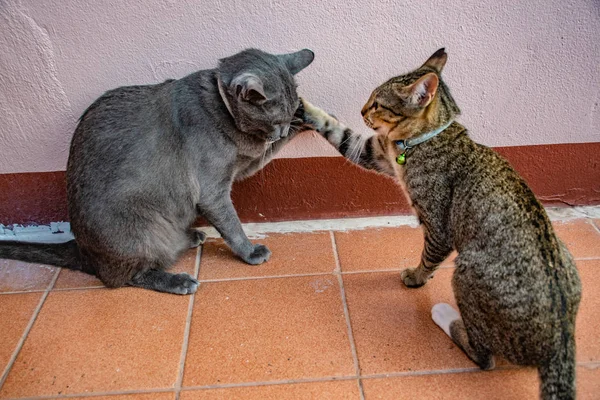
{"x": 259, "y": 90}
{"x": 413, "y": 103}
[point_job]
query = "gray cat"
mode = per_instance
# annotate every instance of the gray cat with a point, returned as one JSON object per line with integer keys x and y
{"x": 145, "y": 161}
{"x": 515, "y": 282}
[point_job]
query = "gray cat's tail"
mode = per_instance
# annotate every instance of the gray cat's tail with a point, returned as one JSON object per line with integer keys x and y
{"x": 64, "y": 255}
{"x": 557, "y": 375}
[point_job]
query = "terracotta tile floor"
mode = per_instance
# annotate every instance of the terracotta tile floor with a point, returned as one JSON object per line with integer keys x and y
{"x": 326, "y": 318}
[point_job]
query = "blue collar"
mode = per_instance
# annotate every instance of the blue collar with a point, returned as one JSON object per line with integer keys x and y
{"x": 405, "y": 145}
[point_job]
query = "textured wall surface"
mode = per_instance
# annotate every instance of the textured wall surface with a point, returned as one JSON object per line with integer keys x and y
{"x": 524, "y": 72}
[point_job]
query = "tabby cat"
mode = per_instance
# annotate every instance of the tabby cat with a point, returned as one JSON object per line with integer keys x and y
{"x": 145, "y": 161}
{"x": 515, "y": 282}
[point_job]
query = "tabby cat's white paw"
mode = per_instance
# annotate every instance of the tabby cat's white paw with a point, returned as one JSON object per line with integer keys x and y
{"x": 314, "y": 114}
{"x": 443, "y": 314}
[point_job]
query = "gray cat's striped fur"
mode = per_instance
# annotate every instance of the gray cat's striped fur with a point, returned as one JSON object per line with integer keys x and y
{"x": 145, "y": 161}
{"x": 515, "y": 282}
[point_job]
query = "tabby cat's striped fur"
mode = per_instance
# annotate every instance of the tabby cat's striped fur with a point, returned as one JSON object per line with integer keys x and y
{"x": 515, "y": 283}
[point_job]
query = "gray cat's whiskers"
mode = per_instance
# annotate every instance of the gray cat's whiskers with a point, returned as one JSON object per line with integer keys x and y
{"x": 272, "y": 152}
{"x": 263, "y": 161}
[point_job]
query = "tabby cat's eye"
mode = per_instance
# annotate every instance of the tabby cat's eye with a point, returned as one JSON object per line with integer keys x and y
{"x": 375, "y": 105}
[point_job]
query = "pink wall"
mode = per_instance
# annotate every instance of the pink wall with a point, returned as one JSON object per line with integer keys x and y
{"x": 524, "y": 72}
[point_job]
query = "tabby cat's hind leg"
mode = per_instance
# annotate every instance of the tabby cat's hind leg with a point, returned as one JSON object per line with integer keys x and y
{"x": 162, "y": 281}
{"x": 447, "y": 318}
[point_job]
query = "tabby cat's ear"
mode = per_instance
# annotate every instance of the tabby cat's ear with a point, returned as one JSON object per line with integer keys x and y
{"x": 296, "y": 62}
{"x": 249, "y": 87}
{"x": 437, "y": 60}
{"x": 421, "y": 93}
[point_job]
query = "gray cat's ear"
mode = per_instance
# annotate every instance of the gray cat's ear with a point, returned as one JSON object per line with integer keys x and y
{"x": 421, "y": 93}
{"x": 437, "y": 60}
{"x": 297, "y": 61}
{"x": 249, "y": 87}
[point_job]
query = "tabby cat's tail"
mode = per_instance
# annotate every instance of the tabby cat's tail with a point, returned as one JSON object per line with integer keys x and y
{"x": 557, "y": 376}
{"x": 64, "y": 255}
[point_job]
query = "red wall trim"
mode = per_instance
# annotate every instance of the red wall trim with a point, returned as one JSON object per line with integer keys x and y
{"x": 329, "y": 187}
{"x": 36, "y": 197}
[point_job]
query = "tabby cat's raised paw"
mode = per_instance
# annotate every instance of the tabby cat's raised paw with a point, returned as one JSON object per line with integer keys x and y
{"x": 314, "y": 116}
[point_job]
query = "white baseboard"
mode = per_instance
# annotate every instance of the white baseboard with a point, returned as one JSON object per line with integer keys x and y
{"x": 58, "y": 232}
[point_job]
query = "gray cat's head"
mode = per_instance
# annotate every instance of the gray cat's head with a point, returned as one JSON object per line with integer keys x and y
{"x": 259, "y": 90}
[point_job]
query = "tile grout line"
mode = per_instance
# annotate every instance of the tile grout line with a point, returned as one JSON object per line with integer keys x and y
{"x": 188, "y": 325}
{"x": 24, "y": 291}
{"x": 346, "y": 378}
{"x": 594, "y": 224}
{"x": 430, "y": 372}
{"x": 248, "y": 278}
{"x": 94, "y": 394}
{"x": 79, "y": 288}
{"x": 336, "y": 257}
{"x": 21, "y": 341}
{"x": 234, "y": 385}
{"x": 273, "y": 383}
{"x": 296, "y": 381}
{"x": 592, "y": 364}
{"x": 507, "y": 367}
{"x": 586, "y": 258}
{"x": 379, "y": 271}
{"x": 338, "y": 270}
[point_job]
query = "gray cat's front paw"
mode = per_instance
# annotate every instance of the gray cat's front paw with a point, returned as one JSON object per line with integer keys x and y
{"x": 197, "y": 237}
{"x": 259, "y": 255}
{"x": 411, "y": 278}
{"x": 183, "y": 284}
